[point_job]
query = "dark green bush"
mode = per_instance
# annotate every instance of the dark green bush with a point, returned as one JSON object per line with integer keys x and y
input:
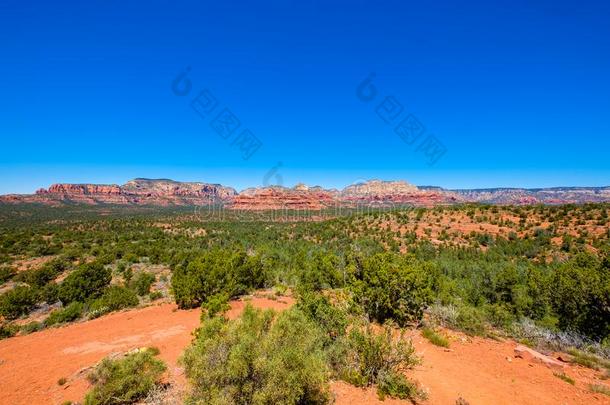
{"x": 581, "y": 295}
{"x": 391, "y": 286}
{"x": 47, "y": 273}
{"x": 84, "y": 283}
{"x": 319, "y": 310}
{"x": 7, "y": 331}
{"x": 142, "y": 282}
{"x": 215, "y": 305}
{"x": 471, "y": 320}
{"x": 155, "y": 295}
{"x": 31, "y": 327}
{"x": 68, "y": 314}
{"x": 18, "y": 301}
{"x": 216, "y": 271}
{"x": 125, "y": 381}
{"x": 114, "y": 298}
{"x": 6, "y": 273}
{"x": 260, "y": 358}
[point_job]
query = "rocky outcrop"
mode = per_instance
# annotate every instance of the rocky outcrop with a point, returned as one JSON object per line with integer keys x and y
{"x": 532, "y": 356}
{"x": 300, "y": 197}
{"x": 165, "y": 188}
{"x": 373, "y": 193}
{"x": 520, "y": 196}
{"x": 395, "y": 193}
{"x": 137, "y": 192}
{"x": 378, "y": 188}
{"x": 82, "y": 189}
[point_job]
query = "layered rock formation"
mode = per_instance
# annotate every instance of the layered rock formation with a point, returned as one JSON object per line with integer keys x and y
{"x": 374, "y": 193}
{"x": 520, "y": 196}
{"x": 393, "y": 193}
{"x": 300, "y": 197}
{"x": 138, "y": 192}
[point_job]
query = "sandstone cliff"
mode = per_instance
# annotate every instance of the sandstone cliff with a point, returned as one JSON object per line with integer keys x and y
{"x": 373, "y": 193}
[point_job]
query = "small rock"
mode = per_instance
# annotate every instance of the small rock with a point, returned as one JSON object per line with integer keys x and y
{"x": 528, "y": 354}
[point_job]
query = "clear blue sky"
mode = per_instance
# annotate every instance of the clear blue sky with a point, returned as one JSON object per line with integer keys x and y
{"x": 517, "y": 92}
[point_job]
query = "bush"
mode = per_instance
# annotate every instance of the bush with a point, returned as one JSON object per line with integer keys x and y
{"x": 18, "y": 301}
{"x": 434, "y": 337}
{"x": 393, "y": 287}
{"x": 155, "y": 295}
{"x": 6, "y": 273}
{"x": 369, "y": 354}
{"x": 31, "y": 327}
{"x": 216, "y": 271}
{"x": 142, "y": 282}
{"x": 260, "y": 358}
{"x": 67, "y": 314}
{"x": 471, "y": 320}
{"x": 326, "y": 316}
{"x": 396, "y": 385}
{"x": 215, "y": 305}
{"x": 114, "y": 298}
{"x": 581, "y": 295}
{"x": 48, "y": 272}
{"x": 86, "y": 282}
{"x": 499, "y": 316}
{"x": 125, "y": 381}
{"x": 7, "y": 331}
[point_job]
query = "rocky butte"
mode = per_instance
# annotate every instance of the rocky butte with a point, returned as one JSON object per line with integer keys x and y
{"x": 374, "y": 193}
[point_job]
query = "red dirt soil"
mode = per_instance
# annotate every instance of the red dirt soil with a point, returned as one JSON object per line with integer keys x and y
{"x": 481, "y": 371}
{"x": 30, "y": 366}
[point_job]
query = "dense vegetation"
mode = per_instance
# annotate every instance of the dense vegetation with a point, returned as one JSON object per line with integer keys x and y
{"x": 530, "y": 272}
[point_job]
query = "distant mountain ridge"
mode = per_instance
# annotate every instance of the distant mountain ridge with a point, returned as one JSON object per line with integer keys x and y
{"x": 166, "y": 192}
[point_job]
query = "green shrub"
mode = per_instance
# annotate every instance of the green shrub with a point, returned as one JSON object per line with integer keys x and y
{"x": 588, "y": 360}
{"x": 6, "y": 273}
{"x": 216, "y": 271}
{"x": 18, "y": 301}
{"x": 396, "y": 385}
{"x": 114, "y": 298}
{"x": 215, "y": 305}
{"x": 47, "y": 273}
{"x": 67, "y": 314}
{"x": 369, "y": 355}
{"x": 434, "y": 337}
{"x": 318, "y": 308}
{"x": 31, "y": 327}
{"x": 142, "y": 282}
{"x": 125, "y": 381}
{"x": 581, "y": 295}
{"x": 471, "y": 320}
{"x": 260, "y": 358}
{"x": 155, "y": 295}
{"x": 499, "y": 316}
{"x": 8, "y": 330}
{"x": 50, "y": 293}
{"x": 393, "y": 287}
{"x": 84, "y": 283}
{"x": 565, "y": 378}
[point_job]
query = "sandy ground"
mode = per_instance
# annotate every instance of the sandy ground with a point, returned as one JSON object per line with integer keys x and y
{"x": 484, "y": 371}
{"x": 30, "y": 366}
{"x": 481, "y": 371}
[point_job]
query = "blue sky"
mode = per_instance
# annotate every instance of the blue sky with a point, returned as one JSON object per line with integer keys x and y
{"x": 516, "y": 93}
